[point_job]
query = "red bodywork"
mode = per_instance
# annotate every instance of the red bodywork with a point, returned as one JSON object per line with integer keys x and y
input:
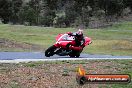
{"x": 63, "y": 39}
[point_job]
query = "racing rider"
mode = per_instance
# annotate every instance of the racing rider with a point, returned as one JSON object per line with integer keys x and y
{"x": 79, "y": 40}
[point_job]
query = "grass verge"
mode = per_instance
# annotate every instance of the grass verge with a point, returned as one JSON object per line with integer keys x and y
{"x": 114, "y": 40}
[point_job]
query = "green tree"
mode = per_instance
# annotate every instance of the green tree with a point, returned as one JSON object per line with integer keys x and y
{"x": 127, "y": 3}
{"x": 5, "y": 11}
{"x": 15, "y": 7}
{"x": 47, "y": 14}
{"x": 111, "y": 7}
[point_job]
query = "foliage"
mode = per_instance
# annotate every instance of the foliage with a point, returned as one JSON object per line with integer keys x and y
{"x": 45, "y": 12}
{"x": 5, "y": 10}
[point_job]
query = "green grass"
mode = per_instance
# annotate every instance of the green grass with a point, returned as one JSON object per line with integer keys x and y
{"x": 122, "y": 26}
{"x": 114, "y": 40}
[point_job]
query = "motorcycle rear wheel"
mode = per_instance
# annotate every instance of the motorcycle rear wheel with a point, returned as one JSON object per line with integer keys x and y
{"x": 50, "y": 51}
{"x": 74, "y": 54}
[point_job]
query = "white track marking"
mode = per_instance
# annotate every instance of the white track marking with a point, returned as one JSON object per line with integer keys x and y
{"x": 56, "y": 59}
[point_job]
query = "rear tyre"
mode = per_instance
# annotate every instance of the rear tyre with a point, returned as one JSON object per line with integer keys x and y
{"x": 50, "y": 51}
{"x": 72, "y": 56}
{"x": 75, "y": 54}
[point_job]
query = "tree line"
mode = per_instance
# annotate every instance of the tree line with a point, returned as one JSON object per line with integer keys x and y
{"x": 60, "y": 13}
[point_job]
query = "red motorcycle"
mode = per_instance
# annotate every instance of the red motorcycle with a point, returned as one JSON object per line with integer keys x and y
{"x": 63, "y": 41}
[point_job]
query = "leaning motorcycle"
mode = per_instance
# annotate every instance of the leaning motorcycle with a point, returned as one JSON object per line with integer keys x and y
{"x": 63, "y": 41}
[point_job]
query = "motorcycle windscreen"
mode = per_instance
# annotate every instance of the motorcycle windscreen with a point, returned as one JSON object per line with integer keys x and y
{"x": 58, "y": 36}
{"x": 68, "y": 38}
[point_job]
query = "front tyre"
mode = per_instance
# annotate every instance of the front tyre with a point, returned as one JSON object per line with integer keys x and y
{"x": 50, "y": 51}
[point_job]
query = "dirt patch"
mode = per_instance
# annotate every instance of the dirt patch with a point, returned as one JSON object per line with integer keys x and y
{"x": 51, "y": 74}
{"x": 6, "y": 43}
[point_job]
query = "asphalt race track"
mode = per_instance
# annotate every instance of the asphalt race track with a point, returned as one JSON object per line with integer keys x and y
{"x": 37, "y": 56}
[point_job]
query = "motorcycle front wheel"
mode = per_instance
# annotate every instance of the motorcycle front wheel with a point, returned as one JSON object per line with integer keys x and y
{"x": 50, "y": 51}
